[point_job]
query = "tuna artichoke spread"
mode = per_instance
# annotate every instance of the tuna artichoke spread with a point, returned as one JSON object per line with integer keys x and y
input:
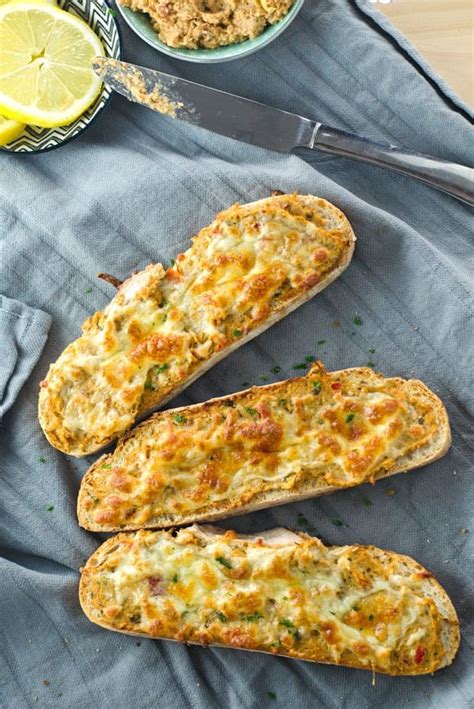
{"x": 210, "y": 23}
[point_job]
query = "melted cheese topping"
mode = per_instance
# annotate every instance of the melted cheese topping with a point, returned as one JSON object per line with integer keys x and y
{"x": 246, "y": 270}
{"x": 358, "y": 606}
{"x": 320, "y": 431}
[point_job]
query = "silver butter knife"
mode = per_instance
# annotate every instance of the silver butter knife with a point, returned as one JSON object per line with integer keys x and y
{"x": 256, "y": 123}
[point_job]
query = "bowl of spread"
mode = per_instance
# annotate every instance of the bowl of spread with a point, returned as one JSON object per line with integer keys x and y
{"x": 208, "y": 31}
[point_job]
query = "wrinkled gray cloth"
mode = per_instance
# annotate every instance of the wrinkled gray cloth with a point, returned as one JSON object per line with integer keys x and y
{"x": 132, "y": 190}
{"x": 23, "y": 333}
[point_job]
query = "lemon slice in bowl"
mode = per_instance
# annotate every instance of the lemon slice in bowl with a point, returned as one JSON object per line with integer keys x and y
{"x": 9, "y": 130}
{"x": 46, "y": 77}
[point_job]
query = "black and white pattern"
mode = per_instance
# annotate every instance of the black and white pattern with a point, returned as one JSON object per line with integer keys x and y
{"x": 97, "y": 14}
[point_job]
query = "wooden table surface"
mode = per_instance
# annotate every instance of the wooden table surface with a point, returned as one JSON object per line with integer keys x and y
{"x": 443, "y": 32}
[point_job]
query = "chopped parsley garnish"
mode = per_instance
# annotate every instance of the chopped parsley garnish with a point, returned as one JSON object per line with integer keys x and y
{"x": 303, "y": 522}
{"x": 372, "y": 351}
{"x": 371, "y": 617}
{"x": 221, "y": 616}
{"x": 282, "y": 402}
{"x": 237, "y": 333}
{"x": 162, "y": 367}
{"x": 357, "y": 320}
{"x": 42, "y": 459}
{"x": 367, "y": 502}
{"x": 113, "y": 12}
{"x": 251, "y": 411}
{"x": 172, "y": 262}
{"x": 371, "y": 365}
{"x": 321, "y": 342}
{"x": 225, "y": 562}
{"x": 309, "y": 358}
{"x": 316, "y": 387}
{"x": 264, "y": 379}
{"x": 275, "y": 370}
{"x": 254, "y": 616}
{"x": 271, "y": 695}
{"x": 50, "y": 508}
{"x": 287, "y": 623}
{"x": 107, "y": 466}
{"x": 88, "y": 290}
{"x": 175, "y": 578}
{"x": 302, "y": 365}
{"x": 149, "y": 384}
{"x": 355, "y": 608}
{"x": 337, "y": 522}
{"x": 179, "y": 418}
{"x": 350, "y": 417}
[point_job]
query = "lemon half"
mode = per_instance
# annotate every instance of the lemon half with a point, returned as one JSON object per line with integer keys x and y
{"x": 9, "y": 130}
{"x": 46, "y": 77}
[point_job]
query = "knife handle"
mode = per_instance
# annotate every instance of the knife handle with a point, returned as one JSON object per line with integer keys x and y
{"x": 455, "y": 180}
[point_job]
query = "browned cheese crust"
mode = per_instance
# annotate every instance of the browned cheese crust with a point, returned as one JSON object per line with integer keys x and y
{"x": 265, "y": 446}
{"x": 279, "y": 592}
{"x": 249, "y": 268}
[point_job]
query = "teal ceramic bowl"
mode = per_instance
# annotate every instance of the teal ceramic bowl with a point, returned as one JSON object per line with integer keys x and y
{"x": 141, "y": 25}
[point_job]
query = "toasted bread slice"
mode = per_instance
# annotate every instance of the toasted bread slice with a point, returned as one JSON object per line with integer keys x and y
{"x": 278, "y": 592}
{"x": 252, "y": 266}
{"x": 261, "y": 447}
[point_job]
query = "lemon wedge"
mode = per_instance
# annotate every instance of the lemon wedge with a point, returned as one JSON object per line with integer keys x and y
{"x": 46, "y": 77}
{"x": 9, "y": 130}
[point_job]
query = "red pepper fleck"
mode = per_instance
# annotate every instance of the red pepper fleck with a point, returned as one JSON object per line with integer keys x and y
{"x": 155, "y": 584}
{"x": 420, "y": 654}
{"x": 426, "y": 575}
{"x": 336, "y": 386}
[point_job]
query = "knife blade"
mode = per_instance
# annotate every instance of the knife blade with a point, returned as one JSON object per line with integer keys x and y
{"x": 271, "y": 128}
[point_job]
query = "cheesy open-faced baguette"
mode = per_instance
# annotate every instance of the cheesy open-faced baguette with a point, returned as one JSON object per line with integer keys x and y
{"x": 265, "y": 446}
{"x": 277, "y": 592}
{"x": 252, "y": 266}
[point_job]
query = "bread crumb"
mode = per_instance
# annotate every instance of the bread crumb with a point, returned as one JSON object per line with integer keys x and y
{"x": 46, "y": 682}
{"x": 390, "y": 492}
{"x": 463, "y": 530}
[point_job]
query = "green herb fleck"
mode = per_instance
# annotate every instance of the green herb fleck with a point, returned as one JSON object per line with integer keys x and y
{"x": 355, "y": 608}
{"x": 42, "y": 459}
{"x": 179, "y": 418}
{"x": 421, "y": 421}
{"x": 302, "y": 365}
{"x": 107, "y": 466}
{"x": 172, "y": 262}
{"x": 371, "y": 365}
{"x": 357, "y": 320}
{"x": 275, "y": 370}
{"x": 254, "y": 616}
{"x": 337, "y": 522}
{"x": 88, "y": 290}
{"x": 316, "y": 387}
{"x": 113, "y": 11}
{"x": 309, "y": 358}
{"x": 149, "y": 384}
{"x": 287, "y": 623}
{"x": 371, "y": 617}
{"x": 264, "y": 379}
{"x": 367, "y": 502}
{"x": 237, "y": 333}
{"x": 271, "y": 695}
{"x": 221, "y": 616}
{"x": 251, "y": 411}
{"x": 282, "y": 402}
{"x": 245, "y": 384}
{"x": 175, "y": 578}
{"x": 50, "y": 508}
{"x": 321, "y": 342}
{"x": 225, "y": 562}
{"x": 162, "y": 367}
{"x": 350, "y": 417}
{"x": 372, "y": 351}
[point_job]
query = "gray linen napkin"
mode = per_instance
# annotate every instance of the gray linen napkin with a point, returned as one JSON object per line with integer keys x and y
{"x": 133, "y": 189}
{"x": 23, "y": 333}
